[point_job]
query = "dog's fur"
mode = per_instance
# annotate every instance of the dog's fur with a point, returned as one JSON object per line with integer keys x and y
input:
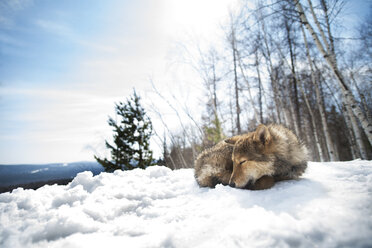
{"x": 254, "y": 160}
{"x": 214, "y": 165}
{"x": 269, "y": 151}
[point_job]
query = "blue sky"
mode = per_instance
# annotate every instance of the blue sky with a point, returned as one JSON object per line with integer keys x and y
{"x": 63, "y": 64}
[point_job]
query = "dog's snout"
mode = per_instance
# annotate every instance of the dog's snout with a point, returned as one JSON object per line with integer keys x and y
{"x": 232, "y": 184}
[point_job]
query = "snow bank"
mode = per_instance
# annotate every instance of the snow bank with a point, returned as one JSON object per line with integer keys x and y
{"x": 329, "y": 207}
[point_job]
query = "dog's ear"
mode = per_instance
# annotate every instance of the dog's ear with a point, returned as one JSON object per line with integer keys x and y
{"x": 232, "y": 140}
{"x": 262, "y": 135}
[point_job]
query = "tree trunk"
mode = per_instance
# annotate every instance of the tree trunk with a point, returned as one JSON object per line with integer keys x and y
{"x": 355, "y": 153}
{"x": 259, "y": 85}
{"x": 274, "y": 83}
{"x": 328, "y": 26}
{"x": 324, "y": 38}
{"x": 216, "y": 123}
{"x": 237, "y": 106}
{"x": 214, "y": 93}
{"x": 357, "y": 133}
{"x": 351, "y": 138}
{"x": 253, "y": 105}
{"x": 309, "y": 141}
{"x": 319, "y": 99}
{"x": 290, "y": 112}
{"x": 312, "y": 118}
{"x": 231, "y": 114}
{"x": 296, "y": 108}
{"x": 348, "y": 98}
{"x": 327, "y": 135}
{"x": 362, "y": 98}
{"x": 236, "y": 85}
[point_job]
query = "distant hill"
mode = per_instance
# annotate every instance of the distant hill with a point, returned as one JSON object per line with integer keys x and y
{"x": 34, "y": 185}
{"x": 31, "y": 173}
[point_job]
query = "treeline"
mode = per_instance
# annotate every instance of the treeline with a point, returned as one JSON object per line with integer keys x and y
{"x": 35, "y": 185}
{"x": 285, "y": 62}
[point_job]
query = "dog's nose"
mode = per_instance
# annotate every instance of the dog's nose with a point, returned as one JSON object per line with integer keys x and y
{"x": 232, "y": 184}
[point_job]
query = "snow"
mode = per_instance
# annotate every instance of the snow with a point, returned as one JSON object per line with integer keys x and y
{"x": 330, "y": 206}
{"x": 39, "y": 170}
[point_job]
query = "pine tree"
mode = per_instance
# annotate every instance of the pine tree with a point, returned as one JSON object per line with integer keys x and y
{"x": 213, "y": 132}
{"x": 131, "y": 137}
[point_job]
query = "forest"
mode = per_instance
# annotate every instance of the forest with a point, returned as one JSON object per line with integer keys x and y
{"x": 290, "y": 62}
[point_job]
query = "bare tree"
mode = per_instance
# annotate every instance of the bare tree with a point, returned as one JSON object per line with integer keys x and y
{"x": 289, "y": 32}
{"x": 330, "y": 58}
{"x": 253, "y": 105}
{"x": 259, "y": 83}
{"x": 208, "y": 69}
{"x": 233, "y": 47}
{"x": 291, "y": 66}
{"x": 273, "y": 72}
{"x": 319, "y": 99}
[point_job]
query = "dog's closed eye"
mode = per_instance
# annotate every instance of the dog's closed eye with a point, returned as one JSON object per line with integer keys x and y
{"x": 241, "y": 162}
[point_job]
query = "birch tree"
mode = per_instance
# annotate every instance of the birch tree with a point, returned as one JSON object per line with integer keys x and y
{"x": 319, "y": 99}
{"x": 330, "y": 57}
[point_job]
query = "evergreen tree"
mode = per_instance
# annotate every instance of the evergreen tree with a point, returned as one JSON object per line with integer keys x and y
{"x": 131, "y": 137}
{"x": 213, "y": 132}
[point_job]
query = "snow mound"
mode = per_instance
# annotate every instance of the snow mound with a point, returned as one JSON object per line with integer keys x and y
{"x": 330, "y": 206}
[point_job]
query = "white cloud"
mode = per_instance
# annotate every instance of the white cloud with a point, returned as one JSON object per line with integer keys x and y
{"x": 54, "y": 27}
{"x": 7, "y": 10}
{"x": 9, "y": 40}
{"x": 6, "y": 22}
{"x": 130, "y": 52}
{"x": 60, "y": 124}
{"x": 64, "y": 30}
{"x": 15, "y": 5}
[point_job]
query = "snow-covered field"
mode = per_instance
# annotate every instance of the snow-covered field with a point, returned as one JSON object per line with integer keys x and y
{"x": 329, "y": 207}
